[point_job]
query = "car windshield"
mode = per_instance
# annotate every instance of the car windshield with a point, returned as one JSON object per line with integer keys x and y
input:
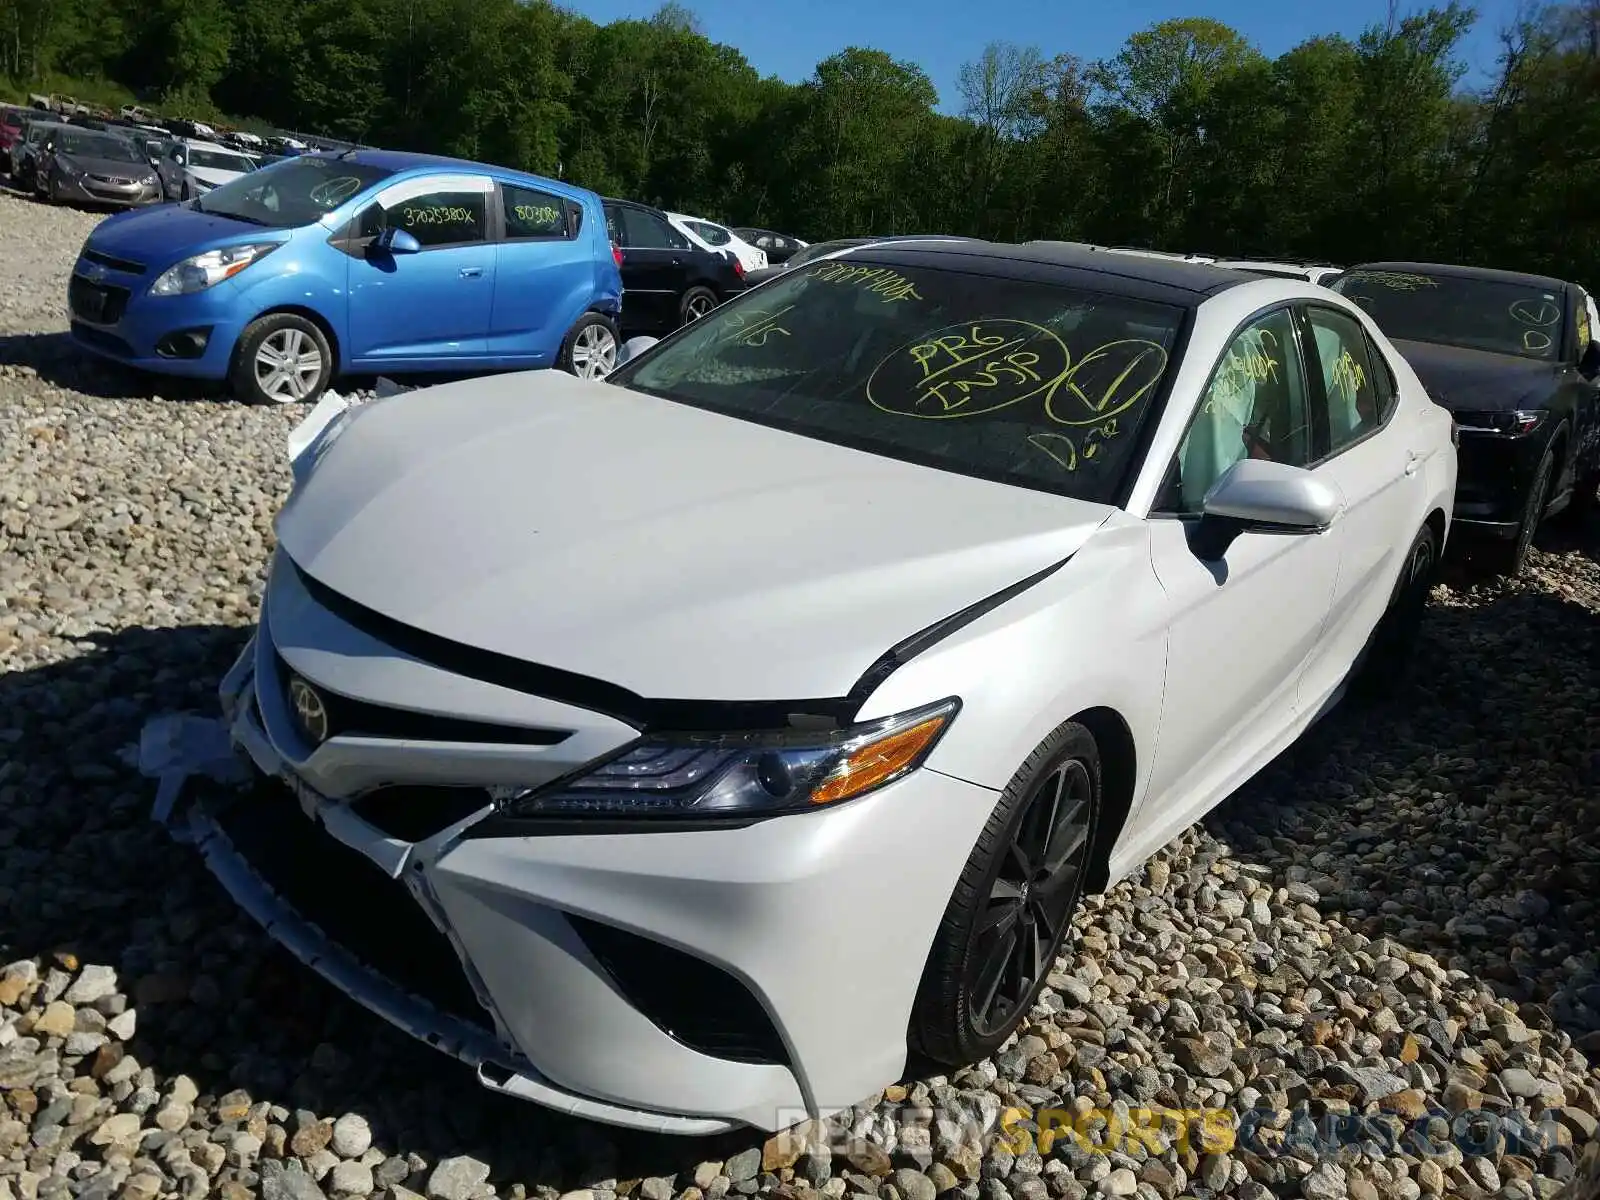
{"x": 1021, "y": 382}
{"x": 712, "y": 235}
{"x": 219, "y": 160}
{"x": 296, "y": 191}
{"x": 1523, "y": 319}
{"x": 90, "y": 145}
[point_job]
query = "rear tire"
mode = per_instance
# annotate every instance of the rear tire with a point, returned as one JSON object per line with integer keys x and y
{"x": 590, "y": 348}
{"x": 1386, "y": 658}
{"x": 1509, "y": 557}
{"x": 696, "y": 303}
{"x": 281, "y": 358}
{"x": 1012, "y": 907}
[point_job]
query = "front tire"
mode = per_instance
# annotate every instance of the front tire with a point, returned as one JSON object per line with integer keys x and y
{"x": 281, "y": 358}
{"x": 1013, "y": 903}
{"x": 590, "y": 348}
{"x": 1508, "y": 558}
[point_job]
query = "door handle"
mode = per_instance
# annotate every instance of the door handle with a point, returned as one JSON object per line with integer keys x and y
{"x": 471, "y": 272}
{"x": 1413, "y": 463}
{"x": 676, "y": 261}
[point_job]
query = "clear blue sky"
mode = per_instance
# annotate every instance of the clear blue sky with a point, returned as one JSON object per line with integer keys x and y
{"x": 789, "y": 39}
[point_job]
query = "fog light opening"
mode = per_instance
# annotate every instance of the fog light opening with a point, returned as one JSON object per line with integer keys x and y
{"x": 185, "y": 343}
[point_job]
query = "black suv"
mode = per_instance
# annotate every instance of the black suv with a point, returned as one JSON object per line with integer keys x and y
{"x": 667, "y": 281}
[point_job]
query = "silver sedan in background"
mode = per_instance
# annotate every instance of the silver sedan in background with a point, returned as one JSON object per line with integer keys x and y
{"x": 87, "y": 166}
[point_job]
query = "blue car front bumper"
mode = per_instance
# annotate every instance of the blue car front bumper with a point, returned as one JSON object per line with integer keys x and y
{"x": 114, "y": 316}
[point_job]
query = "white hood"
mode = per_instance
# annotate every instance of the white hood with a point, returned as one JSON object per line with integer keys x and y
{"x": 674, "y": 552}
{"x": 214, "y": 176}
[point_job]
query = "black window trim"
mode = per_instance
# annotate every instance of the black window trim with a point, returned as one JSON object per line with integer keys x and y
{"x": 1325, "y": 433}
{"x": 1169, "y": 476}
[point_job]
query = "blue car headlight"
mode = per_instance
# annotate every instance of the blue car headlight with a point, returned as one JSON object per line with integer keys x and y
{"x": 202, "y": 271}
{"x": 743, "y": 774}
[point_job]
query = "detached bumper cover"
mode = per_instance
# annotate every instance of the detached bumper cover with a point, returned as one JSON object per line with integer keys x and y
{"x": 539, "y": 944}
{"x": 495, "y": 1068}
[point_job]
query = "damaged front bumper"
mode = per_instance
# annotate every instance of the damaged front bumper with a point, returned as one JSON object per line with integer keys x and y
{"x": 199, "y": 821}
{"x": 671, "y": 980}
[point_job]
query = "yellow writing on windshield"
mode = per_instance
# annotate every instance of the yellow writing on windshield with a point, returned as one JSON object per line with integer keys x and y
{"x": 1398, "y": 281}
{"x": 983, "y": 366}
{"x": 881, "y": 281}
{"x": 1533, "y": 339}
{"x": 335, "y": 191}
{"x": 1066, "y": 450}
{"x": 755, "y": 326}
{"x": 1536, "y": 310}
{"x": 436, "y": 215}
{"x": 968, "y": 369}
{"x": 1108, "y": 380}
{"x": 1348, "y": 377}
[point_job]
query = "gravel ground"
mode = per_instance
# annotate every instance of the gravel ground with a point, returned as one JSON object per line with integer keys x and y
{"x": 1399, "y": 915}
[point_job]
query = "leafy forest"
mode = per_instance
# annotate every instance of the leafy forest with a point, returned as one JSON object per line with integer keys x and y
{"x": 1188, "y": 138}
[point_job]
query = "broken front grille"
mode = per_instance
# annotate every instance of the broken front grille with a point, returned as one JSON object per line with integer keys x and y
{"x": 355, "y": 904}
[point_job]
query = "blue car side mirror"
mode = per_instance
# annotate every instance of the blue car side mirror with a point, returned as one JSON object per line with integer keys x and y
{"x": 397, "y": 241}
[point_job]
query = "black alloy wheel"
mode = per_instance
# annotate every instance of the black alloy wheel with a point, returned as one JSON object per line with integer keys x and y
{"x": 1031, "y": 899}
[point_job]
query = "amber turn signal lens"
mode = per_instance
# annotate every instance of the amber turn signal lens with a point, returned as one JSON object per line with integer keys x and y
{"x": 877, "y": 762}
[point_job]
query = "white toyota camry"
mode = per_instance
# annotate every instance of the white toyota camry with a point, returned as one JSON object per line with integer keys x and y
{"x": 678, "y": 749}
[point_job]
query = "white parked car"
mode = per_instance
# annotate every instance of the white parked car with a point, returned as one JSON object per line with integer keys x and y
{"x": 190, "y": 167}
{"x": 669, "y": 748}
{"x": 719, "y": 239}
{"x": 1318, "y": 273}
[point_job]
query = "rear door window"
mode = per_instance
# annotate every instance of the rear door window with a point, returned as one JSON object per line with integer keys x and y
{"x": 533, "y": 214}
{"x": 647, "y": 231}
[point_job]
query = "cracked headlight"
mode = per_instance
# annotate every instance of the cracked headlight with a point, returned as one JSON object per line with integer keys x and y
{"x": 202, "y": 271}
{"x": 747, "y": 774}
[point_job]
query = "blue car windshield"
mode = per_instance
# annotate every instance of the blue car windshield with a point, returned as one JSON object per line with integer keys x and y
{"x": 296, "y": 191}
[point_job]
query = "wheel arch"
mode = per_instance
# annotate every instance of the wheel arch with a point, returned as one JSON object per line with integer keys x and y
{"x": 317, "y": 319}
{"x": 1119, "y": 768}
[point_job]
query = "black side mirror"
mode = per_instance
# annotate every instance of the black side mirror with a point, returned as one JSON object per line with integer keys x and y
{"x": 1589, "y": 363}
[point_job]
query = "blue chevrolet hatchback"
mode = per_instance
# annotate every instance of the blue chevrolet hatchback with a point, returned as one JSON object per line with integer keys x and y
{"x": 368, "y": 261}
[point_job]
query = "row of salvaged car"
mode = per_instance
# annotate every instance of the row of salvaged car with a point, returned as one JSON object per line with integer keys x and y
{"x": 682, "y": 748}
{"x": 377, "y": 262}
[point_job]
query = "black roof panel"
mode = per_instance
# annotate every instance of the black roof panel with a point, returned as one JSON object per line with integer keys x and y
{"x": 1488, "y": 274}
{"x": 1165, "y": 280}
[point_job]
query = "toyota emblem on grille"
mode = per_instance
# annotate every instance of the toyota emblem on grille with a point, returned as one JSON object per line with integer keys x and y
{"x": 309, "y": 711}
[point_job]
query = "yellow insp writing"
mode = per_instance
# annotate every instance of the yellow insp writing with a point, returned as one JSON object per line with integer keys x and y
{"x": 1348, "y": 377}
{"x": 754, "y": 327}
{"x": 1536, "y": 311}
{"x": 538, "y": 214}
{"x": 1246, "y": 364}
{"x": 1398, "y": 281}
{"x": 890, "y": 285}
{"x": 333, "y": 191}
{"x": 978, "y": 367}
{"x": 437, "y": 215}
